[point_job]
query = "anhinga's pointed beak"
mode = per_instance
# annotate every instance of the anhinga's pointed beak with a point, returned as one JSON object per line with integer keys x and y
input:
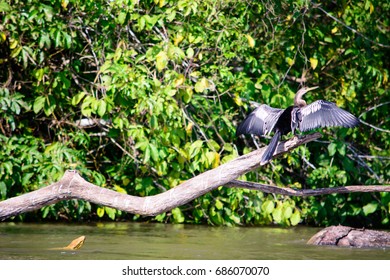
{"x": 311, "y": 88}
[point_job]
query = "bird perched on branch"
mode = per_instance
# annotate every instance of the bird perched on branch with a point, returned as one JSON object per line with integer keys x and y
{"x": 265, "y": 119}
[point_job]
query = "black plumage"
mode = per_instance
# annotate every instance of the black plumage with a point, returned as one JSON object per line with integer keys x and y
{"x": 265, "y": 119}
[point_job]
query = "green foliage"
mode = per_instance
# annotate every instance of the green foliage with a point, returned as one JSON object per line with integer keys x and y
{"x": 162, "y": 85}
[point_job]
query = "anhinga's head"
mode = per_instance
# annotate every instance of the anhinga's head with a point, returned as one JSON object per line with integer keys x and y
{"x": 298, "y": 101}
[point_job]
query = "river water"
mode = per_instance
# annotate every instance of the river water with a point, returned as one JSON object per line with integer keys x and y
{"x": 143, "y": 241}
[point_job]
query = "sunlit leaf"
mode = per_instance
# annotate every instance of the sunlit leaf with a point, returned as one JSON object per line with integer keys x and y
{"x": 268, "y": 206}
{"x": 161, "y": 60}
{"x": 178, "y": 38}
{"x": 237, "y": 99}
{"x": 218, "y": 204}
{"x": 177, "y": 215}
{"x": 187, "y": 95}
{"x": 100, "y": 212}
{"x": 287, "y": 212}
{"x": 290, "y": 61}
{"x": 64, "y": 4}
{"x": 201, "y": 85}
{"x": 179, "y": 80}
{"x": 251, "y": 41}
{"x": 77, "y": 98}
{"x": 195, "y": 148}
{"x": 121, "y": 18}
{"x": 4, "y": 6}
{"x": 110, "y": 212}
{"x": 154, "y": 152}
{"x": 370, "y": 208}
{"x": 190, "y": 53}
{"x": 277, "y": 215}
{"x": 295, "y": 218}
{"x": 102, "y": 107}
{"x": 313, "y": 62}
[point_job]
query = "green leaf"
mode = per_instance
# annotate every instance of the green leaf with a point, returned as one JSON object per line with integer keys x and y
{"x": 7, "y": 166}
{"x": 147, "y": 155}
{"x": 218, "y": 204}
{"x": 332, "y": 148}
{"x": 77, "y": 98}
{"x": 57, "y": 38}
{"x": 121, "y": 18}
{"x": 235, "y": 218}
{"x": 15, "y": 52}
{"x": 45, "y": 211}
{"x": 213, "y": 145}
{"x": 287, "y": 212}
{"x": 102, "y": 106}
{"x": 295, "y": 218}
{"x": 251, "y": 41}
{"x": 154, "y": 152}
{"x": 178, "y": 216}
{"x": 88, "y": 103}
{"x": 161, "y": 217}
{"x": 216, "y": 216}
{"x": 38, "y": 74}
{"x": 120, "y": 189}
{"x": 370, "y": 208}
{"x": 268, "y": 206}
{"x": 201, "y": 85}
{"x": 153, "y": 122}
{"x": 171, "y": 16}
{"x": 313, "y": 62}
{"x": 100, "y": 212}
{"x": 341, "y": 149}
{"x": 110, "y": 212}
{"x": 44, "y": 41}
{"x": 195, "y": 148}
{"x": 49, "y": 105}
{"x": 3, "y": 190}
{"x": 187, "y": 95}
{"x": 161, "y": 60}
{"x": 4, "y": 7}
{"x": 38, "y": 104}
{"x": 328, "y": 39}
{"x": 190, "y": 53}
{"x": 48, "y": 10}
{"x": 277, "y": 215}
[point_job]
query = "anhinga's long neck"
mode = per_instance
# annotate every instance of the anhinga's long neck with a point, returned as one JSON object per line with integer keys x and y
{"x": 298, "y": 101}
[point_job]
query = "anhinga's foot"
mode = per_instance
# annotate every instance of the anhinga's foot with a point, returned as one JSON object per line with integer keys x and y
{"x": 297, "y": 137}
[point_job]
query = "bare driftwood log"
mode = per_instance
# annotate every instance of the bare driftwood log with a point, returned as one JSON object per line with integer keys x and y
{"x": 73, "y": 186}
{"x": 351, "y": 237}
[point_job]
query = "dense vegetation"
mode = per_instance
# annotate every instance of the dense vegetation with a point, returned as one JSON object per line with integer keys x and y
{"x": 142, "y": 95}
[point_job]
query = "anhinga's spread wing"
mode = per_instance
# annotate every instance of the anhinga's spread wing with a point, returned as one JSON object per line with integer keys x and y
{"x": 261, "y": 121}
{"x": 323, "y": 113}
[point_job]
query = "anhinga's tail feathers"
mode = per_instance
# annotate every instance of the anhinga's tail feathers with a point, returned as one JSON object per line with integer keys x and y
{"x": 269, "y": 152}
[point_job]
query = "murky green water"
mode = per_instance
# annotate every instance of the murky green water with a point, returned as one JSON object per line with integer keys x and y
{"x": 130, "y": 241}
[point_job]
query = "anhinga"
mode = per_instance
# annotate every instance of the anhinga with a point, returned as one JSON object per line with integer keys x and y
{"x": 320, "y": 113}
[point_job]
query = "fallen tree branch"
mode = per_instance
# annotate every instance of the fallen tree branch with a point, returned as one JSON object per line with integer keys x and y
{"x": 73, "y": 186}
{"x": 303, "y": 192}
